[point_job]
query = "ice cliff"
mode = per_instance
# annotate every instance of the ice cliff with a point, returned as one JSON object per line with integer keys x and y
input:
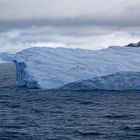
{"x": 77, "y": 69}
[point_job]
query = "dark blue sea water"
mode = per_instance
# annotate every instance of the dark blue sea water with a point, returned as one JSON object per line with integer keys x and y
{"x": 31, "y": 114}
{"x": 59, "y": 115}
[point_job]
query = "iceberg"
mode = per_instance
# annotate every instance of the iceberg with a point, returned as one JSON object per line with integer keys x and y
{"x": 6, "y": 57}
{"x": 2, "y": 61}
{"x": 118, "y": 81}
{"x": 113, "y": 68}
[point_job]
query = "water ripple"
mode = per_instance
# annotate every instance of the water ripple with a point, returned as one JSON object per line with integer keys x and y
{"x": 32, "y": 114}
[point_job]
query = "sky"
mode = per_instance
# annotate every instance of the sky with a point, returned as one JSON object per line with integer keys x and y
{"x": 87, "y": 24}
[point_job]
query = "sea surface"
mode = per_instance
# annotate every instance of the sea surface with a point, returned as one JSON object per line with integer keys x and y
{"x": 33, "y": 114}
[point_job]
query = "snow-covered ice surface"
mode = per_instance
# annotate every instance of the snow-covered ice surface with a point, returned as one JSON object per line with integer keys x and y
{"x": 117, "y": 81}
{"x": 6, "y": 57}
{"x": 2, "y": 61}
{"x": 52, "y": 68}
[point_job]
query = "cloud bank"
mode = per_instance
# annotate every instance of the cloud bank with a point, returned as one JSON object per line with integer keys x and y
{"x": 84, "y": 24}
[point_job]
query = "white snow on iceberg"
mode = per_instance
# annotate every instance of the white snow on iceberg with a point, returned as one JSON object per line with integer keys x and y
{"x": 6, "y": 57}
{"x": 2, "y": 61}
{"x": 51, "y": 68}
{"x": 117, "y": 81}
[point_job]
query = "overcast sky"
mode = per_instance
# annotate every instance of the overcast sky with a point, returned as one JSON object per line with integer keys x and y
{"x": 88, "y": 24}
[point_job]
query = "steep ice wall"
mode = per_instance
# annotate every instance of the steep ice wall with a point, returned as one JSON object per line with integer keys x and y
{"x": 23, "y": 76}
{"x": 50, "y": 68}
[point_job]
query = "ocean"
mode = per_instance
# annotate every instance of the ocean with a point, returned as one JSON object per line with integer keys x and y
{"x": 33, "y": 114}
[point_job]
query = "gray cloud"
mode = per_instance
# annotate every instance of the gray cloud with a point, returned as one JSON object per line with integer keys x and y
{"x": 121, "y": 23}
{"x": 23, "y": 9}
{"x": 73, "y": 13}
{"x": 85, "y": 23}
